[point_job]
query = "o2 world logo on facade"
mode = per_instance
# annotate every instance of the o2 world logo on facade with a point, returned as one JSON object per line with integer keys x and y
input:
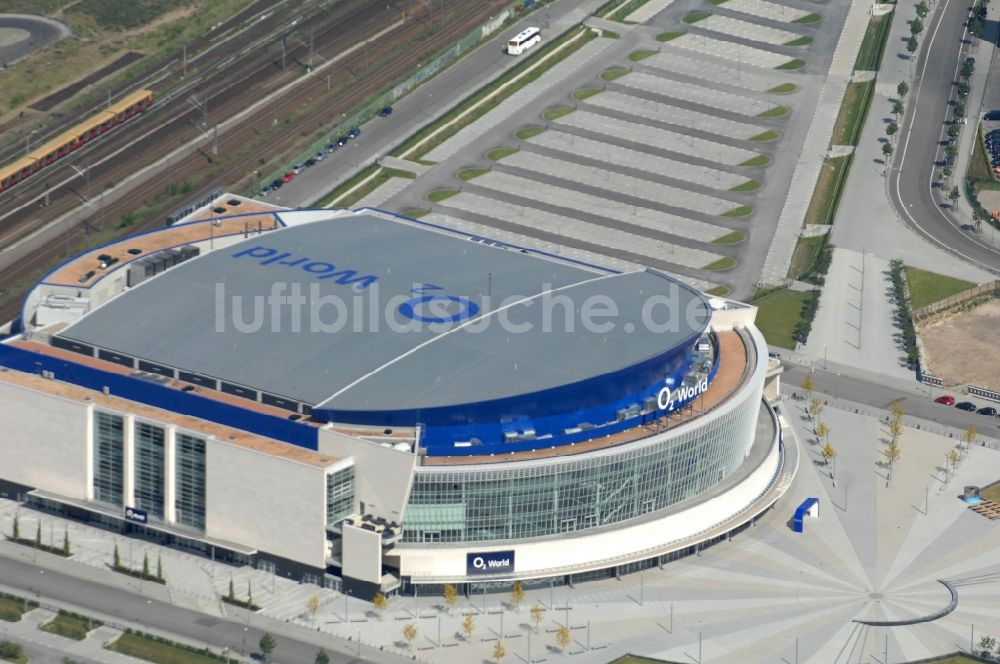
{"x": 492, "y": 562}
{"x": 668, "y": 400}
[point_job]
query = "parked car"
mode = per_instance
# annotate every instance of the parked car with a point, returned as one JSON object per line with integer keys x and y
{"x": 276, "y": 183}
{"x": 310, "y": 162}
{"x": 354, "y": 132}
{"x": 264, "y": 191}
{"x": 947, "y": 400}
{"x": 967, "y": 406}
{"x": 992, "y": 115}
{"x": 288, "y": 177}
{"x": 988, "y": 410}
{"x": 385, "y": 112}
{"x": 319, "y": 156}
{"x": 297, "y": 168}
{"x": 342, "y": 141}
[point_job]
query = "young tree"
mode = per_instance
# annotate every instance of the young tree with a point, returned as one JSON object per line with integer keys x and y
{"x": 887, "y": 151}
{"x": 902, "y": 89}
{"x": 963, "y": 89}
{"x": 912, "y": 45}
{"x": 953, "y": 457}
{"x": 986, "y": 645}
{"x": 951, "y": 151}
{"x": 159, "y": 567}
{"x": 450, "y": 595}
{"x": 38, "y": 535}
{"x": 829, "y": 453}
{"x": 967, "y": 70}
{"x": 232, "y": 590}
{"x": 469, "y": 626}
{"x": 536, "y": 614}
{"x": 409, "y": 633}
{"x": 958, "y": 110}
{"x": 499, "y": 652}
{"x": 969, "y": 437}
{"x": 249, "y": 595}
{"x": 891, "y": 128}
{"x": 808, "y": 384}
{"x": 145, "y": 565}
{"x": 563, "y": 636}
{"x": 897, "y": 410}
{"x": 517, "y": 595}
{"x": 380, "y": 602}
{"x": 954, "y": 195}
{"x": 821, "y": 431}
{"x": 916, "y": 26}
{"x": 313, "y": 607}
{"x": 17, "y": 528}
{"x": 321, "y": 657}
{"x": 815, "y": 407}
{"x": 895, "y": 431}
{"x": 946, "y": 171}
{"x": 66, "y": 549}
{"x": 922, "y": 9}
{"x": 267, "y": 645}
{"x": 892, "y": 455}
{"x": 118, "y": 558}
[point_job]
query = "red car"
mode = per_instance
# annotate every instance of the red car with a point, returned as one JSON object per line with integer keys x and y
{"x": 947, "y": 400}
{"x": 288, "y": 177}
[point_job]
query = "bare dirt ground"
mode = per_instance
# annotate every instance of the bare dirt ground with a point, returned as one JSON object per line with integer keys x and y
{"x": 963, "y": 347}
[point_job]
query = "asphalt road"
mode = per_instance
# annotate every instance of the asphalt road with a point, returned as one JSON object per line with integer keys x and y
{"x": 42, "y": 31}
{"x": 217, "y": 632}
{"x": 911, "y": 173}
{"x": 424, "y": 104}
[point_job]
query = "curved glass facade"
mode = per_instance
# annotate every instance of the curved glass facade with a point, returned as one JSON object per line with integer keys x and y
{"x": 539, "y": 499}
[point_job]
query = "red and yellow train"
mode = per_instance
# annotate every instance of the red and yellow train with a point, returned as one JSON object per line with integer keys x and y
{"x": 75, "y": 138}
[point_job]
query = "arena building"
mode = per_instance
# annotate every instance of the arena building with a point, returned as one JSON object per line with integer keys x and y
{"x": 351, "y": 397}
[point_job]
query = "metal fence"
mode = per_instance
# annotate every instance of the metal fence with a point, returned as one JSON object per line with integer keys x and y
{"x": 926, "y": 312}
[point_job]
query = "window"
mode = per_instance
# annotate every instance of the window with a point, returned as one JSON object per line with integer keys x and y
{"x": 109, "y": 458}
{"x": 149, "y": 468}
{"x": 189, "y": 502}
{"x": 339, "y": 495}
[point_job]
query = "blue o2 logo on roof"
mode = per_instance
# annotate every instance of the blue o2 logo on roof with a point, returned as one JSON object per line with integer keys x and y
{"x": 428, "y": 306}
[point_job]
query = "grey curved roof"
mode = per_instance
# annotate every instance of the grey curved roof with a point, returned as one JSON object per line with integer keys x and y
{"x": 184, "y": 317}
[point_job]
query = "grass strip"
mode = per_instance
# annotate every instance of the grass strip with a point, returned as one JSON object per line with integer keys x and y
{"x": 493, "y": 93}
{"x": 741, "y": 211}
{"x": 769, "y": 135}
{"x": 778, "y": 315}
{"x": 719, "y": 291}
{"x": 584, "y": 93}
{"x": 625, "y": 10}
{"x": 783, "y": 89}
{"x": 805, "y": 40}
{"x": 759, "y": 160}
{"x": 808, "y": 18}
{"x": 71, "y": 626}
{"x": 524, "y": 133}
{"x": 731, "y": 238}
{"x": 873, "y": 43}
{"x": 613, "y": 73}
{"x": 556, "y": 113}
{"x": 826, "y": 195}
{"x": 797, "y": 63}
{"x": 415, "y": 213}
{"x": 804, "y": 256}
{"x": 670, "y": 36}
{"x": 749, "y": 185}
{"x": 930, "y": 287}
{"x": 636, "y": 56}
{"x": 351, "y": 182}
{"x": 852, "y": 114}
{"x": 161, "y": 651}
{"x": 724, "y": 263}
{"x": 903, "y": 319}
{"x": 694, "y": 17}
{"x": 497, "y": 154}
{"x": 467, "y": 174}
{"x": 439, "y": 195}
{"x": 776, "y": 112}
{"x": 610, "y": 34}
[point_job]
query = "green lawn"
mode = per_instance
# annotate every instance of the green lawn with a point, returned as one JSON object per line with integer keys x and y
{"x": 741, "y": 211}
{"x": 415, "y": 213}
{"x": 724, "y": 263}
{"x": 669, "y": 36}
{"x": 853, "y": 110}
{"x": 749, "y": 185}
{"x": 499, "y": 153}
{"x": 626, "y": 9}
{"x": 769, "y": 135}
{"x": 441, "y": 194}
{"x": 783, "y": 89}
{"x": 804, "y": 255}
{"x": 161, "y": 653}
{"x": 716, "y": 2}
{"x": 929, "y": 287}
{"x": 72, "y": 627}
{"x": 991, "y": 493}
{"x": 467, "y": 174}
{"x": 808, "y": 18}
{"x": 524, "y": 133}
{"x": 731, "y": 238}
{"x": 613, "y": 73}
{"x": 583, "y": 93}
{"x": 12, "y": 652}
{"x": 958, "y": 659}
{"x": 11, "y": 610}
{"x": 776, "y": 112}
{"x": 636, "y": 56}
{"x": 721, "y": 291}
{"x": 556, "y": 113}
{"x": 797, "y": 63}
{"x": 826, "y": 195}
{"x": 873, "y": 44}
{"x": 801, "y": 41}
{"x": 778, "y": 315}
{"x": 759, "y": 160}
{"x": 694, "y": 17}
{"x": 610, "y": 34}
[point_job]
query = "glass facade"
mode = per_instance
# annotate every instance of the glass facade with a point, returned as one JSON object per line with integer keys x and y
{"x": 189, "y": 501}
{"x": 149, "y": 475}
{"x": 339, "y": 494}
{"x": 109, "y": 458}
{"x": 538, "y": 499}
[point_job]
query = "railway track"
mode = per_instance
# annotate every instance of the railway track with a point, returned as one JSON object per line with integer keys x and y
{"x": 229, "y": 94}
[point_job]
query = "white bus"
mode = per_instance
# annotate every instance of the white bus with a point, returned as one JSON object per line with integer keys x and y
{"x": 523, "y": 40}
